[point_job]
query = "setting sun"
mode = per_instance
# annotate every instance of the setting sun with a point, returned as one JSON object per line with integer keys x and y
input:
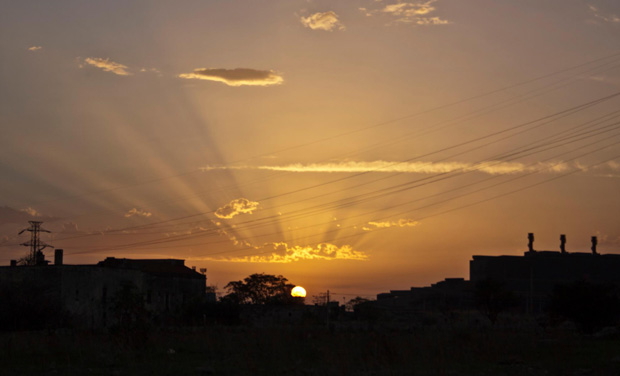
{"x": 298, "y": 291}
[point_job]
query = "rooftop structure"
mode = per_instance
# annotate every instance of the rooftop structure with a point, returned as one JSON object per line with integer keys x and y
{"x": 531, "y": 277}
{"x": 91, "y": 294}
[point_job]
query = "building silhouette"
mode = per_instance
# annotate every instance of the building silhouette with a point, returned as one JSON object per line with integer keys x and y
{"x": 89, "y": 294}
{"x": 530, "y": 278}
{"x": 533, "y": 276}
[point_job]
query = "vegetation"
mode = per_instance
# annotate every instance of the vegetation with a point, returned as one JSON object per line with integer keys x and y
{"x": 362, "y": 339}
{"x": 312, "y": 350}
{"x": 353, "y": 303}
{"x": 261, "y": 289}
{"x": 30, "y": 259}
{"x": 492, "y": 298}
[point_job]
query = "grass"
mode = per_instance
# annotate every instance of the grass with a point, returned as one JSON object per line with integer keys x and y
{"x": 309, "y": 350}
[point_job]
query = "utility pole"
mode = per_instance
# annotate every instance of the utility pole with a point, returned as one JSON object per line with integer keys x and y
{"x": 327, "y": 308}
{"x": 36, "y": 245}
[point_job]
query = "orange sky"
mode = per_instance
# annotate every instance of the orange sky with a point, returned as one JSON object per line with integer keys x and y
{"x": 356, "y": 146}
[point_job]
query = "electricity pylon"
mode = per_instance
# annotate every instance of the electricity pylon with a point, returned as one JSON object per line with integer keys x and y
{"x": 36, "y": 245}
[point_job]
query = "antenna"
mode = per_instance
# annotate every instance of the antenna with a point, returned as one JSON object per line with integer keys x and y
{"x": 36, "y": 257}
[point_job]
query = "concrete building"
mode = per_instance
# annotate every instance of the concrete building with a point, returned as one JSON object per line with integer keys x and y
{"x": 90, "y": 293}
{"x": 449, "y": 294}
{"x": 531, "y": 278}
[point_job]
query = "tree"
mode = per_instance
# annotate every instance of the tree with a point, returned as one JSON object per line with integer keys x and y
{"x": 353, "y": 303}
{"x": 29, "y": 259}
{"x": 492, "y": 298}
{"x": 261, "y": 289}
{"x": 128, "y": 306}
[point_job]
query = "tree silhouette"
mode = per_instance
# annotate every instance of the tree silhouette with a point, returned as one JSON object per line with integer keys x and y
{"x": 492, "y": 298}
{"x": 353, "y": 303}
{"x": 261, "y": 289}
{"x": 128, "y": 306}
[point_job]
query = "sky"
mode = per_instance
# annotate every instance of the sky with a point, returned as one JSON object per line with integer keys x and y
{"x": 355, "y": 146}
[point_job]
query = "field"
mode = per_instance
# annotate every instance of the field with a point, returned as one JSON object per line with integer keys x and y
{"x": 310, "y": 350}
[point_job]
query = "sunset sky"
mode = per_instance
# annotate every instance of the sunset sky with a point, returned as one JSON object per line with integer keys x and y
{"x": 357, "y": 146}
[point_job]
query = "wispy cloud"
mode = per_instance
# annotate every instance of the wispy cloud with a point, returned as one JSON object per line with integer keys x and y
{"x": 34, "y": 48}
{"x": 151, "y": 70}
{"x": 71, "y": 228}
{"x": 386, "y": 224}
{"x": 107, "y": 65}
{"x": 137, "y": 212}
{"x": 236, "y": 77}
{"x": 610, "y": 169}
{"x": 10, "y": 215}
{"x": 235, "y": 207}
{"x": 284, "y": 253}
{"x": 31, "y": 212}
{"x": 412, "y": 9}
{"x": 492, "y": 167}
{"x": 429, "y": 21}
{"x": 613, "y": 165}
{"x": 611, "y": 18}
{"x": 605, "y": 78}
{"x": 327, "y": 21}
{"x": 416, "y": 12}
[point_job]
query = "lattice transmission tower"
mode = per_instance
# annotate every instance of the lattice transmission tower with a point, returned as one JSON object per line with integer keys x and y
{"x": 36, "y": 245}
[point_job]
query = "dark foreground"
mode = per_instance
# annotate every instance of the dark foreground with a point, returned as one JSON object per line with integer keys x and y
{"x": 311, "y": 350}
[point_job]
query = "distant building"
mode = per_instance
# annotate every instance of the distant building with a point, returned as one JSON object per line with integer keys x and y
{"x": 531, "y": 278}
{"x": 449, "y": 294}
{"x": 88, "y": 293}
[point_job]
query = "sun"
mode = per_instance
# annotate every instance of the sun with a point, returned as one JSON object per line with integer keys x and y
{"x": 298, "y": 291}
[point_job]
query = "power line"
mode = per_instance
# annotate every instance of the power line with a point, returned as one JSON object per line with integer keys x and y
{"x": 343, "y": 134}
{"x": 549, "y": 118}
{"x": 450, "y": 199}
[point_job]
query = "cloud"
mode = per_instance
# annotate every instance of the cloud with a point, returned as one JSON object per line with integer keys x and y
{"x": 107, "y": 65}
{"x": 606, "y": 79}
{"x": 137, "y": 212}
{"x": 284, "y": 253}
{"x": 611, "y": 18}
{"x": 327, "y": 21}
{"x": 409, "y": 9}
{"x": 387, "y": 224}
{"x": 70, "y": 228}
{"x": 491, "y": 167}
{"x": 235, "y": 207}
{"x": 34, "y": 48}
{"x": 607, "y": 170}
{"x": 31, "y": 212}
{"x": 613, "y": 165}
{"x": 236, "y": 77}
{"x": 408, "y": 12}
{"x": 151, "y": 70}
{"x": 430, "y": 21}
{"x": 365, "y": 11}
{"x": 10, "y": 215}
